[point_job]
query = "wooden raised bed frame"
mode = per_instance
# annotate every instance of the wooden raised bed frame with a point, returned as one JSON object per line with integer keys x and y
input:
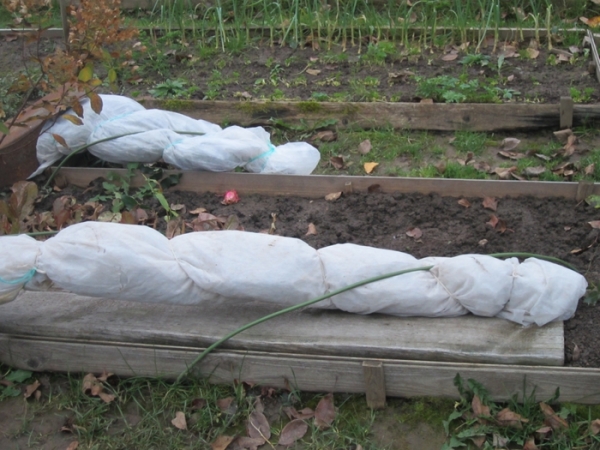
{"x": 41, "y": 331}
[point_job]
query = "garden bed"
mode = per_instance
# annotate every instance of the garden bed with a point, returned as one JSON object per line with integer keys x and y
{"x": 543, "y": 218}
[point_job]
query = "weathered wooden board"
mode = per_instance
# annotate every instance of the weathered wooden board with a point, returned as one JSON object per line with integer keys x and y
{"x": 56, "y": 315}
{"x": 321, "y": 185}
{"x": 414, "y": 116}
{"x": 304, "y": 372}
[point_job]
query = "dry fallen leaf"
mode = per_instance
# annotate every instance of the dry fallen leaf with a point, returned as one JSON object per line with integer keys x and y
{"x": 337, "y": 162}
{"x": 504, "y": 173}
{"x": 490, "y": 203}
{"x": 595, "y": 427}
{"x": 73, "y": 445}
{"x": 258, "y": 426}
{"x": 222, "y": 442}
{"x": 313, "y": 72}
{"x": 511, "y": 155}
{"x": 482, "y": 243}
{"x": 534, "y": 171}
{"x": 493, "y": 221}
{"x": 450, "y": 56}
{"x": 552, "y": 419}
{"x": 508, "y": 418}
{"x": 594, "y": 223}
{"x": 576, "y": 353}
{"x": 324, "y": 136}
{"x": 479, "y": 409}
{"x": 509, "y": 144}
{"x": 294, "y": 430}
{"x": 227, "y": 405}
{"x": 312, "y": 230}
{"x": 325, "y": 412}
{"x": 364, "y": 147}
{"x": 530, "y": 444}
{"x": 198, "y": 211}
{"x": 414, "y": 233}
{"x": 532, "y": 53}
{"x": 370, "y": 166}
{"x": 31, "y": 388}
{"x": 333, "y": 196}
{"x": 179, "y": 421}
{"x": 589, "y": 170}
{"x": 464, "y": 202}
{"x": 305, "y": 413}
{"x": 248, "y": 443}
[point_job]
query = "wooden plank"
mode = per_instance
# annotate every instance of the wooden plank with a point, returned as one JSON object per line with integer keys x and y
{"x": 414, "y": 116}
{"x": 595, "y": 57}
{"x": 566, "y": 112}
{"x": 321, "y": 185}
{"x": 374, "y": 384}
{"x": 54, "y": 315}
{"x": 304, "y": 372}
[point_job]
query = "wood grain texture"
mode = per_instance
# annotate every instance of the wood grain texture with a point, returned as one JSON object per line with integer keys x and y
{"x": 566, "y": 112}
{"x": 321, "y": 185}
{"x": 413, "y": 116}
{"x": 318, "y": 332}
{"x": 374, "y": 384}
{"x": 304, "y": 372}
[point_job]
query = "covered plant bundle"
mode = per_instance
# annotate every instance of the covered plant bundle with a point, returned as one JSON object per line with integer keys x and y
{"x": 136, "y": 263}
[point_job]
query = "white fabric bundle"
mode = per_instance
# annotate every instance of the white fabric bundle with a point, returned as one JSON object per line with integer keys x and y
{"x": 131, "y": 262}
{"x": 184, "y": 142}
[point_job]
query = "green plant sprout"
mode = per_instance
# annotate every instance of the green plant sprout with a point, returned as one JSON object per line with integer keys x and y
{"x": 173, "y": 89}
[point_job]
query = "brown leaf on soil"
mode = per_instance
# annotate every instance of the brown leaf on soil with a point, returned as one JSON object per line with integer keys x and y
{"x": 31, "y": 388}
{"x": 224, "y": 404}
{"x": 563, "y": 135}
{"x": 312, "y": 230}
{"x": 258, "y": 426}
{"x": 482, "y": 243}
{"x": 532, "y": 53}
{"x": 364, "y": 147}
{"x": 222, "y": 442}
{"x": 175, "y": 227}
{"x": 414, "y": 233}
{"x": 106, "y": 398}
{"x": 589, "y": 170}
{"x": 370, "y": 166}
{"x": 128, "y": 218}
{"x": 11, "y": 37}
{"x": 324, "y": 136}
{"x": 478, "y": 441}
{"x": 179, "y": 421}
{"x": 511, "y": 155}
{"x": 313, "y": 72}
{"x": 464, "y": 202}
{"x": 198, "y": 211}
{"x": 95, "y": 388}
{"x": 576, "y": 353}
{"x": 305, "y": 413}
{"x": 508, "y": 418}
{"x": 482, "y": 166}
{"x": 490, "y": 203}
{"x": 534, "y": 171}
{"x": 544, "y": 432}
{"x": 595, "y": 427}
{"x": 493, "y": 221}
{"x": 504, "y": 172}
{"x": 594, "y": 224}
{"x": 509, "y": 144}
{"x": 325, "y": 412}
{"x": 552, "y": 419}
{"x": 337, "y": 162}
{"x": 530, "y": 444}
{"x": 450, "y": 56}
{"x": 333, "y": 196}
{"x": 293, "y": 431}
{"x": 248, "y": 443}
{"x": 428, "y": 101}
{"x": 479, "y": 409}
{"x": 73, "y": 445}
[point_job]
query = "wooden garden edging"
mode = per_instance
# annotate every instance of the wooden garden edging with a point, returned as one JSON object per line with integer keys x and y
{"x": 413, "y": 116}
{"x": 308, "y": 350}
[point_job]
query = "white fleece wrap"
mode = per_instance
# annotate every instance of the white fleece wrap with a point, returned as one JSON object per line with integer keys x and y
{"x": 131, "y": 262}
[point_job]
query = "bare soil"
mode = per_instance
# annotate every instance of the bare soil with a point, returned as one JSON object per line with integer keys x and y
{"x": 355, "y": 73}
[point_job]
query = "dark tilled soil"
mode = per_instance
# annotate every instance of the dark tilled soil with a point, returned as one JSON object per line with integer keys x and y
{"x": 277, "y": 73}
{"x": 553, "y": 227}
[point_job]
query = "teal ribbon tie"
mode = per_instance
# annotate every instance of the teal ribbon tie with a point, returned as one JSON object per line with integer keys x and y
{"x": 23, "y": 280}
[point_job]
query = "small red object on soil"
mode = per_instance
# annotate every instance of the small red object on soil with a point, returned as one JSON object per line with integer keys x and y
{"x": 230, "y": 198}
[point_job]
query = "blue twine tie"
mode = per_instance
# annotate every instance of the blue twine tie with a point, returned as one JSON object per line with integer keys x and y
{"x": 264, "y": 155}
{"x": 23, "y": 280}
